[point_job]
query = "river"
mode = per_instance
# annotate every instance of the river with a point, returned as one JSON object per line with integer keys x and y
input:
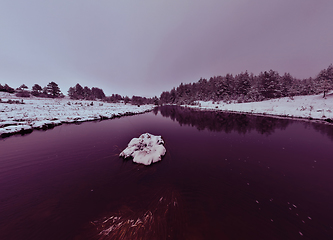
{"x": 224, "y": 176}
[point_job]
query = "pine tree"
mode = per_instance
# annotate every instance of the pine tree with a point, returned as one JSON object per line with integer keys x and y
{"x": 243, "y": 84}
{"x": 286, "y": 84}
{"x": 86, "y": 93}
{"x": 23, "y": 86}
{"x": 53, "y": 90}
{"x": 270, "y": 84}
{"x": 36, "y": 90}
{"x": 97, "y": 93}
{"x": 6, "y": 88}
{"x": 79, "y": 91}
{"x": 325, "y": 79}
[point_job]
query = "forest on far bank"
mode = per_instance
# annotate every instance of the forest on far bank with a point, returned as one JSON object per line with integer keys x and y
{"x": 247, "y": 87}
{"x": 77, "y": 92}
{"x": 243, "y": 87}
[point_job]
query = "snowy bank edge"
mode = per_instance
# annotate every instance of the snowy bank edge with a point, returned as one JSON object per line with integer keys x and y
{"x": 268, "y": 108}
{"x": 328, "y": 121}
{"x": 9, "y": 128}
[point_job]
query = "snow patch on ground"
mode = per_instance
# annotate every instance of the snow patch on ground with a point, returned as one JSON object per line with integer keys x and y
{"x": 43, "y": 113}
{"x": 310, "y": 106}
{"x": 146, "y": 149}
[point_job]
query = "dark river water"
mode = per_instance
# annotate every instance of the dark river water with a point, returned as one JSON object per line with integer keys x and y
{"x": 224, "y": 176}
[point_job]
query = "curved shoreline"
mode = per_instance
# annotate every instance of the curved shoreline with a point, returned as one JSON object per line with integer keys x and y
{"x": 328, "y": 121}
{"x": 42, "y": 114}
{"x": 23, "y": 115}
{"x": 50, "y": 124}
{"x": 305, "y": 108}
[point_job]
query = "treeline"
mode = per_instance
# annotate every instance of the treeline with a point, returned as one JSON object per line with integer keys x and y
{"x": 51, "y": 90}
{"x": 243, "y": 87}
{"x": 134, "y": 100}
{"x": 85, "y": 93}
{"x": 78, "y": 92}
{"x": 246, "y": 87}
{"x": 6, "y": 88}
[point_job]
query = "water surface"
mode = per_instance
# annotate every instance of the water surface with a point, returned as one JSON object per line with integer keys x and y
{"x": 224, "y": 176}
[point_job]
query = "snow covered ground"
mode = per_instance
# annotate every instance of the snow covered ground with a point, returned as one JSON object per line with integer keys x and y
{"x": 311, "y": 106}
{"x": 37, "y": 113}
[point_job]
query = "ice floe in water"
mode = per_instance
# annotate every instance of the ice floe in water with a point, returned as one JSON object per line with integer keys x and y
{"x": 146, "y": 149}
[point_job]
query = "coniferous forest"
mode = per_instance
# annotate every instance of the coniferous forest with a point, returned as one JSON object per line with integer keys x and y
{"x": 243, "y": 87}
{"x": 247, "y": 87}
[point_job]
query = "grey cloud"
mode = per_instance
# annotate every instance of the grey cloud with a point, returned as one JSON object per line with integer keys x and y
{"x": 130, "y": 47}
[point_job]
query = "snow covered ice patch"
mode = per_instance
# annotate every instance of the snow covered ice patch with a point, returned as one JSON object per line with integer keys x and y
{"x": 146, "y": 149}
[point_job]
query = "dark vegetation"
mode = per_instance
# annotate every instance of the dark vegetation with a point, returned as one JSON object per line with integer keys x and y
{"x": 243, "y": 87}
{"x": 12, "y": 101}
{"x": 163, "y": 219}
{"x": 78, "y": 92}
{"x": 6, "y": 88}
{"x": 85, "y": 93}
{"x": 246, "y": 87}
{"x": 51, "y": 90}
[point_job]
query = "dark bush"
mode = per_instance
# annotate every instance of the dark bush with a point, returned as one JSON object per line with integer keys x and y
{"x": 22, "y": 94}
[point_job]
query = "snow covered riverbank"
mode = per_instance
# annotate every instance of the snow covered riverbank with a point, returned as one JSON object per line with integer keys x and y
{"x": 309, "y": 107}
{"x": 43, "y": 113}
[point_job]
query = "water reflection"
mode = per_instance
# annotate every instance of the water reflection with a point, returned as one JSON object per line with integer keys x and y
{"x": 223, "y": 121}
{"x": 324, "y": 129}
{"x": 227, "y": 122}
{"x": 69, "y": 183}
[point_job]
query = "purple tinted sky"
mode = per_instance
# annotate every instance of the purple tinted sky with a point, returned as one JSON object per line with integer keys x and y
{"x": 149, "y": 46}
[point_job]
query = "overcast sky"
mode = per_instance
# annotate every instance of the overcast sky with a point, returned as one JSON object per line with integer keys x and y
{"x": 144, "y": 47}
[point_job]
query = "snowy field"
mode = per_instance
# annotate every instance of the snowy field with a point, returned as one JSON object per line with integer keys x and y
{"x": 309, "y": 107}
{"x": 43, "y": 113}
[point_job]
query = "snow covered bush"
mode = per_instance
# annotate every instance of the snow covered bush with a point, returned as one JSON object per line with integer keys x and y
{"x": 146, "y": 149}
